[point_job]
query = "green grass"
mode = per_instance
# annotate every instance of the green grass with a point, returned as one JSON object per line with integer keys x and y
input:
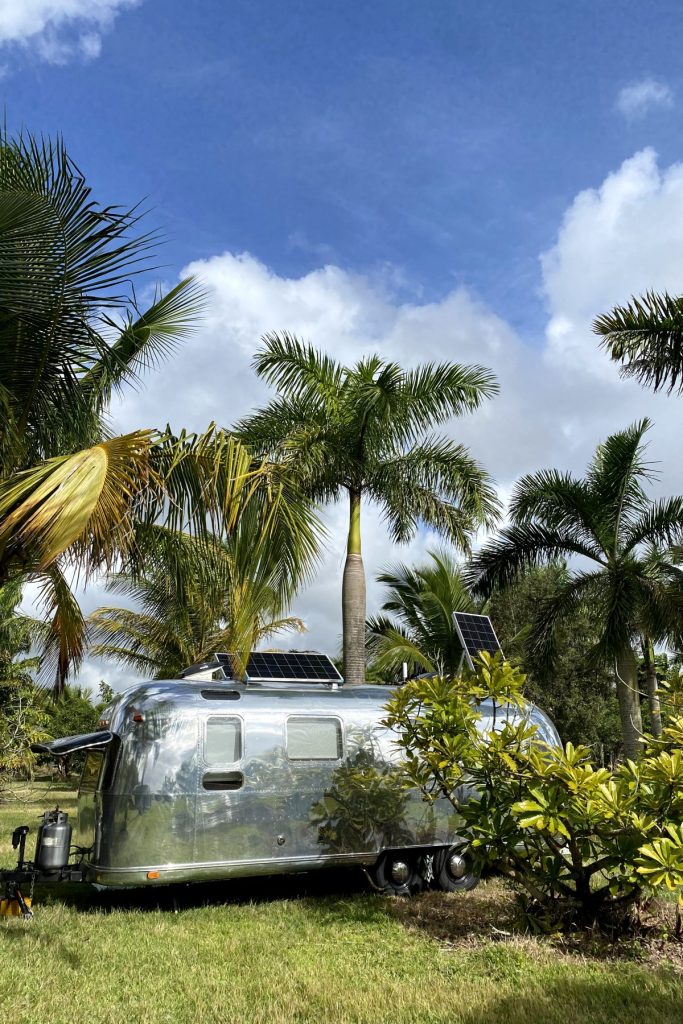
{"x": 307, "y": 949}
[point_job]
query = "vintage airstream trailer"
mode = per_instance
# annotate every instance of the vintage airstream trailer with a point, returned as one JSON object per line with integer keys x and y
{"x": 204, "y": 778}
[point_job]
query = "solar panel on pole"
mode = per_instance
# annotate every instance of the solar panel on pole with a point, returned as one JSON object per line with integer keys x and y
{"x": 476, "y": 634}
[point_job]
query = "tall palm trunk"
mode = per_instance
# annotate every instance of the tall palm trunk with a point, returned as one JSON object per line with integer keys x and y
{"x": 629, "y": 702}
{"x": 652, "y": 689}
{"x": 353, "y": 598}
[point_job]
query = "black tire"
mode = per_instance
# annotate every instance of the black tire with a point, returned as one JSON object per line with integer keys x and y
{"x": 397, "y": 873}
{"x": 454, "y": 876}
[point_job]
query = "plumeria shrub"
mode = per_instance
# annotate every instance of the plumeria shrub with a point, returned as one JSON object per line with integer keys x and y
{"x": 583, "y": 844}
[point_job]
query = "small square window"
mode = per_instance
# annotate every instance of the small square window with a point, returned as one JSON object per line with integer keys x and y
{"x": 223, "y": 740}
{"x": 314, "y": 739}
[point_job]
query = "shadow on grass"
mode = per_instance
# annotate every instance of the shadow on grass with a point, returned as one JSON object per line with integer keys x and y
{"x": 330, "y": 885}
{"x": 592, "y": 1000}
{"x": 17, "y": 936}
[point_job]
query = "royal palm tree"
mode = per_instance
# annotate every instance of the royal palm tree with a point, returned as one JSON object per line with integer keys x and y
{"x": 606, "y": 521}
{"x": 419, "y": 628}
{"x": 646, "y": 337}
{"x": 71, "y": 333}
{"x": 362, "y": 432}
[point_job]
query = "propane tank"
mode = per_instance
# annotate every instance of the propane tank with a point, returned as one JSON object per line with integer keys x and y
{"x": 53, "y": 842}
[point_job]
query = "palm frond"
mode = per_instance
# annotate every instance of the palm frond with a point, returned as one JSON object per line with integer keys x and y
{"x": 437, "y": 483}
{"x": 390, "y": 647}
{"x": 422, "y": 602}
{"x": 299, "y": 370}
{"x": 434, "y": 392}
{"x": 660, "y": 524}
{"x": 80, "y": 501}
{"x": 556, "y": 499}
{"x": 65, "y": 638}
{"x": 63, "y": 260}
{"x": 615, "y": 478}
{"x": 521, "y": 547}
{"x": 646, "y": 337}
{"x": 145, "y": 339}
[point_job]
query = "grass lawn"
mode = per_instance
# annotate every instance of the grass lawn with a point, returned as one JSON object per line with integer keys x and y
{"x": 317, "y": 948}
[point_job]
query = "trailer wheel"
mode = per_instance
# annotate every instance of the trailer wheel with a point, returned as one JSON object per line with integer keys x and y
{"x": 453, "y": 870}
{"x": 397, "y": 873}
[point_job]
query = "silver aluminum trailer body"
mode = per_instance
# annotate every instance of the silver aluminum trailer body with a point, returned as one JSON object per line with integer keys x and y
{"x": 220, "y": 779}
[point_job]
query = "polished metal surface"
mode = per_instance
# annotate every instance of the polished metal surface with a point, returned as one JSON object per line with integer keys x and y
{"x": 400, "y": 872}
{"x": 457, "y": 866}
{"x": 152, "y": 801}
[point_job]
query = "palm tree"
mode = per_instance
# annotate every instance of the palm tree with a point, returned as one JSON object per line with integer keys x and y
{"x": 361, "y": 431}
{"x": 73, "y": 497}
{"x": 646, "y": 337}
{"x": 419, "y": 629}
{"x": 224, "y": 596}
{"x": 607, "y": 521}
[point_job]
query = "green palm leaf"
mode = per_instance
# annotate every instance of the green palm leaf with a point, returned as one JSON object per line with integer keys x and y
{"x": 646, "y": 337}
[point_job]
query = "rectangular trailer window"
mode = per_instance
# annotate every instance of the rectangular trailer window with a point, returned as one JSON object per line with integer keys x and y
{"x": 314, "y": 739}
{"x": 223, "y": 739}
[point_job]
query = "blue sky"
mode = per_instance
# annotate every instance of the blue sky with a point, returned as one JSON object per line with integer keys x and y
{"x": 443, "y": 138}
{"x": 436, "y": 180}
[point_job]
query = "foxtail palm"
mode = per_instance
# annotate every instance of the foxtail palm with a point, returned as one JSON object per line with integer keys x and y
{"x": 362, "y": 432}
{"x": 646, "y": 337}
{"x": 419, "y": 629}
{"x": 607, "y": 521}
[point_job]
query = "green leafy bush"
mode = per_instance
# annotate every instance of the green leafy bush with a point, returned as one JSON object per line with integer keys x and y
{"x": 583, "y": 844}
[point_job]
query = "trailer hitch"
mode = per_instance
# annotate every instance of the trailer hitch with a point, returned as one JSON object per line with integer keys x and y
{"x": 14, "y": 903}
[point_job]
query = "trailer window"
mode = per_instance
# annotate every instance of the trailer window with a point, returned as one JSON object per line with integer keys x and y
{"x": 314, "y": 739}
{"x": 223, "y": 740}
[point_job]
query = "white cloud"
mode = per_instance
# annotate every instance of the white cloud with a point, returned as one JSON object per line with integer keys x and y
{"x": 615, "y": 241}
{"x": 348, "y": 315}
{"x": 557, "y": 400}
{"x": 58, "y": 30}
{"x": 636, "y": 100}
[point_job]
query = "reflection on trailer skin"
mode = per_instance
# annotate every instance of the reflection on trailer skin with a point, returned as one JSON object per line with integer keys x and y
{"x": 217, "y": 781}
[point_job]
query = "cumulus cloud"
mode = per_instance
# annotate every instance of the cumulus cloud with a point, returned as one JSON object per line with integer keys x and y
{"x": 615, "y": 241}
{"x": 347, "y": 315}
{"x": 57, "y": 30}
{"x": 639, "y": 98}
{"x": 557, "y": 400}
{"x": 620, "y": 239}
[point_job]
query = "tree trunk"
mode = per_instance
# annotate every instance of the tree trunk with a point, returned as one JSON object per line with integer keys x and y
{"x": 629, "y": 702}
{"x": 652, "y": 689}
{"x": 353, "y": 598}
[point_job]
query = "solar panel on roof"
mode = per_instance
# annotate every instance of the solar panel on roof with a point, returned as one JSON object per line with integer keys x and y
{"x": 476, "y": 635}
{"x": 286, "y": 666}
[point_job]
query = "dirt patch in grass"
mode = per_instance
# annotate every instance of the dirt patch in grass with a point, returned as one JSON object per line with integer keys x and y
{"x": 490, "y": 913}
